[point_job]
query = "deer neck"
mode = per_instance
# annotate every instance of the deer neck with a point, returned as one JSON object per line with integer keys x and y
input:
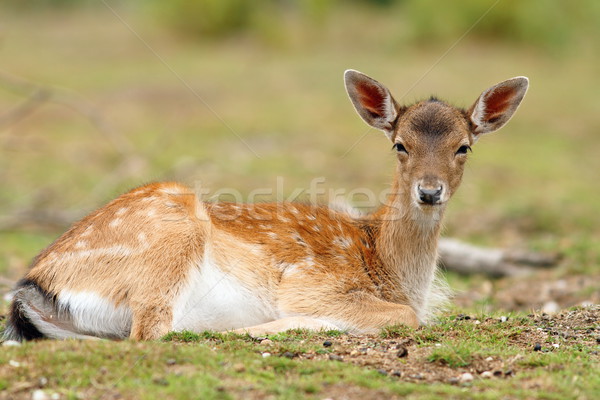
{"x": 407, "y": 247}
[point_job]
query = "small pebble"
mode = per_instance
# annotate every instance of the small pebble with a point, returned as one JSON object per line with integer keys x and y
{"x": 327, "y": 343}
{"x": 266, "y": 342}
{"x": 354, "y": 353}
{"x": 477, "y": 322}
{"x": 266, "y": 354}
{"x": 438, "y": 345}
{"x": 11, "y": 343}
{"x": 453, "y": 380}
{"x": 489, "y": 359}
{"x": 397, "y": 373}
{"x": 55, "y": 396}
{"x": 171, "y": 361}
{"x": 43, "y": 381}
{"x": 288, "y": 354}
{"x": 486, "y": 374}
{"x": 402, "y": 352}
{"x": 239, "y": 367}
{"x": 39, "y": 395}
{"x": 503, "y": 318}
{"x": 160, "y": 381}
{"x": 382, "y": 371}
{"x": 508, "y": 372}
{"x": 335, "y": 357}
{"x": 14, "y": 363}
{"x": 537, "y": 347}
{"x": 466, "y": 377}
{"x": 550, "y": 307}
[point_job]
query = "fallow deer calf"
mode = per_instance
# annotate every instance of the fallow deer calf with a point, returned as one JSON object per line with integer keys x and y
{"x": 157, "y": 259}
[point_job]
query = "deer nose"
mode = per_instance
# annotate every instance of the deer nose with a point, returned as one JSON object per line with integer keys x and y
{"x": 430, "y": 196}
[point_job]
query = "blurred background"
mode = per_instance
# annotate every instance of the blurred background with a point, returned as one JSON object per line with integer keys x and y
{"x": 99, "y": 96}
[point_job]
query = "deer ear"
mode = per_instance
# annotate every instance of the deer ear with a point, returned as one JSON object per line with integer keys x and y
{"x": 373, "y": 101}
{"x": 494, "y": 108}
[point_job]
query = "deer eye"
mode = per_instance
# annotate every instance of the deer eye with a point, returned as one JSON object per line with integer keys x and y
{"x": 463, "y": 149}
{"x": 400, "y": 148}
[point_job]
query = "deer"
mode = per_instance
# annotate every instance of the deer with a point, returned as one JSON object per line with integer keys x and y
{"x": 159, "y": 259}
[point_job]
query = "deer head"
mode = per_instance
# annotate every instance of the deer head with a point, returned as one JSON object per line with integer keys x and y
{"x": 432, "y": 138}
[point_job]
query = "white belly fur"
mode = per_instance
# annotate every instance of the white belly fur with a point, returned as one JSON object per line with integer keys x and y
{"x": 214, "y": 300}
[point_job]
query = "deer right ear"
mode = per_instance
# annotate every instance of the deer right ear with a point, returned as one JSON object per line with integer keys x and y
{"x": 373, "y": 101}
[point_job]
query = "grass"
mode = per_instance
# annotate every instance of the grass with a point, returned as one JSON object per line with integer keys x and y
{"x": 295, "y": 364}
{"x": 531, "y": 185}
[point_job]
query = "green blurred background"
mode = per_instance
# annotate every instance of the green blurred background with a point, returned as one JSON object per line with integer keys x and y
{"x": 100, "y": 96}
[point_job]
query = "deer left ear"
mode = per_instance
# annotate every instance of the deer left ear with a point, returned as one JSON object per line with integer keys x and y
{"x": 495, "y": 107}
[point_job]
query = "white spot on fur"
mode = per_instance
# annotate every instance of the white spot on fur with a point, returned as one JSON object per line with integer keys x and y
{"x": 88, "y": 231}
{"x": 81, "y": 244}
{"x": 316, "y": 228}
{"x": 272, "y": 235}
{"x": 212, "y": 299}
{"x": 284, "y": 219}
{"x": 115, "y": 222}
{"x": 263, "y": 226}
{"x": 343, "y": 242}
{"x": 311, "y": 217}
{"x": 151, "y": 213}
{"x": 294, "y": 210}
{"x": 121, "y": 211}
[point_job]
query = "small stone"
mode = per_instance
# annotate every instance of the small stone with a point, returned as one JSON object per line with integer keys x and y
{"x": 402, "y": 352}
{"x": 466, "y": 377}
{"x": 239, "y": 367}
{"x": 288, "y": 354}
{"x": 489, "y": 359}
{"x": 503, "y": 318}
{"x": 43, "y": 381}
{"x": 171, "y": 361}
{"x": 438, "y": 345}
{"x": 453, "y": 381}
{"x": 266, "y": 354}
{"x": 537, "y": 347}
{"x": 397, "y": 373}
{"x": 327, "y": 343}
{"x": 161, "y": 381}
{"x": 14, "y": 363}
{"x": 354, "y": 353}
{"x": 477, "y": 322}
{"x": 39, "y": 395}
{"x": 550, "y": 307}
{"x": 555, "y": 345}
{"x": 55, "y": 396}
{"x": 382, "y": 371}
{"x": 508, "y": 372}
{"x": 11, "y": 343}
{"x": 266, "y": 342}
{"x": 335, "y": 357}
{"x": 486, "y": 374}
